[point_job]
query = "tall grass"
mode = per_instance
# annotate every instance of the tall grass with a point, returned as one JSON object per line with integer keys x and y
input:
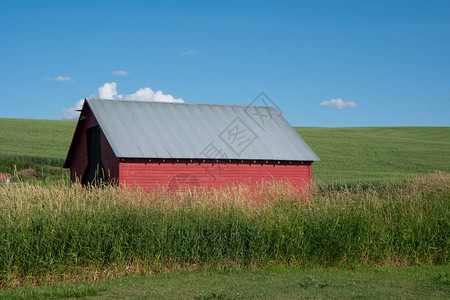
{"x": 59, "y": 232}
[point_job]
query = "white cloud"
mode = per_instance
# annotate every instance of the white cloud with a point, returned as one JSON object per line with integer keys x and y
{"x": 189, "y": 52}
{"x": 147, "y": 94}
{"x": 71, "y": 112}
{"x": 109, "y": 91}
{"x": 60, "y": 78}
{"x": 120, "y": 73}
{"x": 338, "y": 103}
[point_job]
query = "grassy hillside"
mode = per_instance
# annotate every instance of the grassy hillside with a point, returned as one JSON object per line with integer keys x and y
{"x": 376, "y": 153}
{"x": 41, "y": 141}
{"x": 35, "y": 144}
{"x": 347, "y": 154}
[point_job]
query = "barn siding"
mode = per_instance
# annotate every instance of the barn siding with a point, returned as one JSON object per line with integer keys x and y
{"x": 172, "y": 174}
{"x": 79, "y": 160}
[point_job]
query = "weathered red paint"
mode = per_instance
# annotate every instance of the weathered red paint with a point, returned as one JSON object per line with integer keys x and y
{"x": 211, "y": 174}
{"x": 180, "y": 173}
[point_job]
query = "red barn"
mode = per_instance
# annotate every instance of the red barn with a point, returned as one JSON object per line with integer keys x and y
{"x": 150, "y": 144}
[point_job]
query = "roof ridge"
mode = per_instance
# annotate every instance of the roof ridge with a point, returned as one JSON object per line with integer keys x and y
{"x": 181, "y": 103}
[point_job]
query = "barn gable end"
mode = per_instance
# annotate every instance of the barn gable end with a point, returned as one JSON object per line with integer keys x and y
{"x": 77, "y": 157}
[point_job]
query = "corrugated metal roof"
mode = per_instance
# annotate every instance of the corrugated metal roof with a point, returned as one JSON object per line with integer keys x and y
{"x": 143, "y": 129}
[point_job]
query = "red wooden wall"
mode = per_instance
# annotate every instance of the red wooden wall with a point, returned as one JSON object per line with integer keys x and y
{"x": 79, "y": 160}
{"x": 177, "y": 174}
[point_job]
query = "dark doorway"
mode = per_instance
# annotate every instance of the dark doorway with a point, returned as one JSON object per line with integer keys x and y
{"x": 95, "y": 173}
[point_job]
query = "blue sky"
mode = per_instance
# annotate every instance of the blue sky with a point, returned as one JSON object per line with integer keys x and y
{"x": 388, "y": 61}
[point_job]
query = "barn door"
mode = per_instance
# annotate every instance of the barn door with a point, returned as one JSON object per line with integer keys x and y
{"x": 95, "y": 173}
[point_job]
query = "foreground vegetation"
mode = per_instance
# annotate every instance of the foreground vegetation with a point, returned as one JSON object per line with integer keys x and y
{"x": 425, "y": 282}
{"x": 58, "y": 233}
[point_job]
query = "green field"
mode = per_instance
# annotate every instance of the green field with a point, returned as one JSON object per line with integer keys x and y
{"x": 39, "y": 141}
{"x": 348, "y": 155}
{"x": 35, "y": 144}
{"x": 377, "y": 153}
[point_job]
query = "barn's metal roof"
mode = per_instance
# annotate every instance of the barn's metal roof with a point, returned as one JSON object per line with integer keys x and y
{"x": 143, "y": 129}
